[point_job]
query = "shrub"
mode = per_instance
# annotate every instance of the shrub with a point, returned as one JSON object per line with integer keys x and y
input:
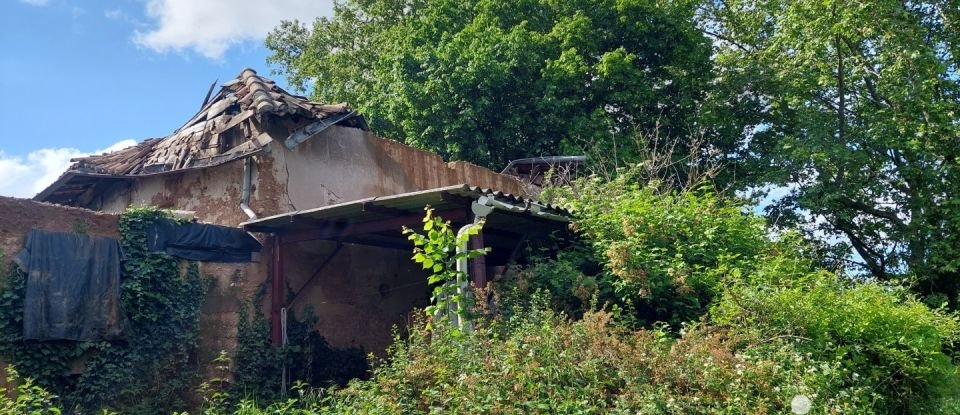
{"x": 307, "y": 357}
{"x": 27, "y": 399}
{"x": 880, "y": 334}
{"x": 566, "y": 268}
{"x": 665, "y": 252}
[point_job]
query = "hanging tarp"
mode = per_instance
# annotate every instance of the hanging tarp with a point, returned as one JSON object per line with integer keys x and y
{"x": 202, "y": 242}
{"x": 73, "y": 286}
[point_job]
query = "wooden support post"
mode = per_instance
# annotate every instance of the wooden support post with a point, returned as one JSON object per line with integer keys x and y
{"x": 277, "y": 292}
{"x": 478, "y": 265}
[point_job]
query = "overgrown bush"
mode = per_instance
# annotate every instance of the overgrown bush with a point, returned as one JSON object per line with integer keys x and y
{"x": 878, "y": 334}
{"x": 539, "y": 361}
{"x": 560, "y": 265}
{"x": 690, "y": 255}
{"x": 27, "y": 399}
{"x": 664, "y": 253}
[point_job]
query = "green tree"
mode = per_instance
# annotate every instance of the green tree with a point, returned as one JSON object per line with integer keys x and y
{"x": 489, "y": 81}
{"x": 856, "y": 106}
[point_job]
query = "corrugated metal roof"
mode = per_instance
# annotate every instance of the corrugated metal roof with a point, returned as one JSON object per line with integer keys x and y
{"x": 385, "y": 207}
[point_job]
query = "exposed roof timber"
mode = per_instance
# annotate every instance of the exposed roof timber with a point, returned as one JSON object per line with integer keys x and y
{"x": 66, "y": 178}
{"x": 314, "y": 128}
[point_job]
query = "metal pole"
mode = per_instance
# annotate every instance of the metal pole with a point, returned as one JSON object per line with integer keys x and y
{"x": 277, "y": 293}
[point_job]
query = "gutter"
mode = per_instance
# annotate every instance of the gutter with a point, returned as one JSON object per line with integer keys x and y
{"x": 245, "y": 195}
{"x": 535, "y": 209}
{"x": 480, "y": 212}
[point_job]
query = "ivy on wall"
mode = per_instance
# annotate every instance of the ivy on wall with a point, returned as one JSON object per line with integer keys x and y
{"x": 152, "y": 367}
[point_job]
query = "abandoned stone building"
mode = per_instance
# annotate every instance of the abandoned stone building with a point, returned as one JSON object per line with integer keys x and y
{"x": 327, "y": 199}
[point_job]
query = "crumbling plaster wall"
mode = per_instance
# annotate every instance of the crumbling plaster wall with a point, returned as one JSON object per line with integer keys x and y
{"x": 213, "y": 195}
{"x": 356, "y": 299}
{"x": 18, "y": 216}
{"x": 343, "y": 164}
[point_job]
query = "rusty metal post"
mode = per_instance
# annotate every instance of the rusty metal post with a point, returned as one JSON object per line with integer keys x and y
{"x": 277, "y": 293}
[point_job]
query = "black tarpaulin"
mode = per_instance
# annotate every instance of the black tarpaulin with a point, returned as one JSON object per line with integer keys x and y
{"x": 202, "y": 242}
{"x": 73, "y": 286}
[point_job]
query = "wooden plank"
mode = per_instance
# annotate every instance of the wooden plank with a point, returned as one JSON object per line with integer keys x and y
{"x": 383, "y": 210}
{"x": 237, "y": 119}
{"x": 340, "y": 231}
{"x": 220, "y": 106}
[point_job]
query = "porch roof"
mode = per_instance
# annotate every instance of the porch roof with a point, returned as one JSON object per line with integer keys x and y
{"x": 378, "y": 220}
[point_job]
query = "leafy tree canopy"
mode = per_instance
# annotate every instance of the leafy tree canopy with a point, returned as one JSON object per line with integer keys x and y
{"x": 490, "y": 81}
{"x": 856, "y": 107}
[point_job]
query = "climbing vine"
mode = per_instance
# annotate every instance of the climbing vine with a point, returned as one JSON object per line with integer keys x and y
{"x": 436, "y": 251}
{"x": 151, "y": 367}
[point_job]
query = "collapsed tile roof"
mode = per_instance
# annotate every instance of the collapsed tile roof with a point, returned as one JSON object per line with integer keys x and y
{"x": 201, "y": 142}
{"x": 229, "y": 125}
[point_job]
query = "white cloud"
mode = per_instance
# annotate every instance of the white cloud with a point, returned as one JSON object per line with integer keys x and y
{"x": 211, "y": 27}
{"x": 35, "y": 2}
{"x": 26, "y": 176}
{"x": 121, "y": 16}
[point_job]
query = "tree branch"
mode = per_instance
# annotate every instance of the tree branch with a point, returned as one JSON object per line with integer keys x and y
{"x": 870, "y": 256}
{"x": 870, "y": 210}
{"x": 727, "y": 39}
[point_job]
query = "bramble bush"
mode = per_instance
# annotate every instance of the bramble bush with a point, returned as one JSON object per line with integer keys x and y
{"x": 691, "y": 255}
{"x": 666, "y": 252}
{"x": 877, "y": 333}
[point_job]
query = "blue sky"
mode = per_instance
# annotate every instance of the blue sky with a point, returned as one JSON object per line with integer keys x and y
{"x": 83, "y": 76}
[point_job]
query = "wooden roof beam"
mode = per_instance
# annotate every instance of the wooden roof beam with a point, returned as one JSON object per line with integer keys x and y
{"x": 343, "y": 230}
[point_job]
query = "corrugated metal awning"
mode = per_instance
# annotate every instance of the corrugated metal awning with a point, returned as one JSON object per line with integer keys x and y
{"x": 384, "y": 216}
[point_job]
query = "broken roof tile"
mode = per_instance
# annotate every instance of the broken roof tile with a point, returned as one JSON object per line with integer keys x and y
{"x": 199, "y": 142}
